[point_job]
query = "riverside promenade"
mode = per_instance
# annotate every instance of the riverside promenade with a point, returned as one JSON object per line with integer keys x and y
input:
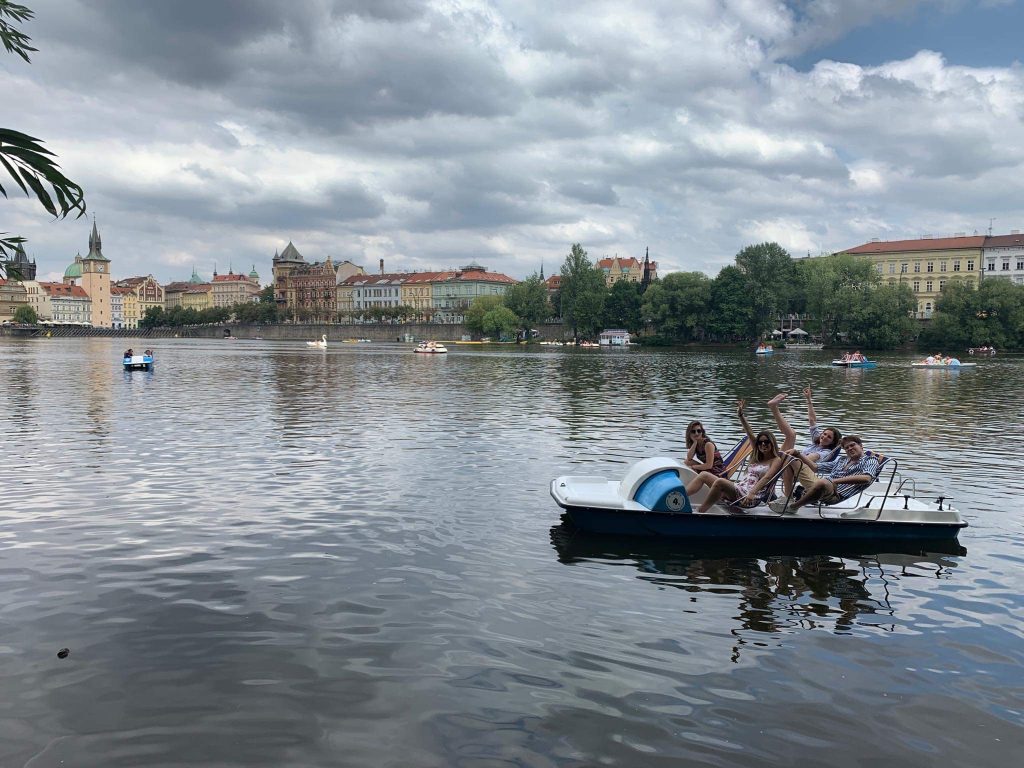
{"x": 275, "y": 331}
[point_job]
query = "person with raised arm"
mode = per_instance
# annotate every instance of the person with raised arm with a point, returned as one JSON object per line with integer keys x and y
{"x": 823, "y": 445}
{"x": 838, "y": 479}
{"x": 756, "y": 485}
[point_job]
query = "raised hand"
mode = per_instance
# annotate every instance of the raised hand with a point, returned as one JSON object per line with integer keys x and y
{"x": 807, "y": 392}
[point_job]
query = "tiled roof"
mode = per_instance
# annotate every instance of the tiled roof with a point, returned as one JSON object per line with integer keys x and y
{"x": 178, "y": 287}
{"x": 610, "y": 263}
{"x": 427, "y": 277}
{"x": 59, "y": 290}
{"x": 921, "y": 244}
{"x": 483, "y": 277}
{"x": 1003, "y": 241}
{"x": 229, "y": 278}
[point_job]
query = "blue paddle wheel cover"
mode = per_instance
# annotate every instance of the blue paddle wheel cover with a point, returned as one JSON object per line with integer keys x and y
{"x": 663, "y": 492}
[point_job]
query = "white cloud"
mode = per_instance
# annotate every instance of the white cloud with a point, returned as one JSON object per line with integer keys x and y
{"x": 431, "y": 133}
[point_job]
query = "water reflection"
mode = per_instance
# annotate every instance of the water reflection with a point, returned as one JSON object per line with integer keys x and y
{"x": 778, "y": 587}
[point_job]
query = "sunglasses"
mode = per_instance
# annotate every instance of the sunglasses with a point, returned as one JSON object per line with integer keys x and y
{"x": 696, "y": 431}
{"x": 764, "y": 442}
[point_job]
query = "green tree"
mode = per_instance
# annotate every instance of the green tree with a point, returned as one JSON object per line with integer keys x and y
{"x": 769, "y": 274}
{"x": 677, "y": 305}
{"x": 882, "y": 317}
{"x": 992, "y": 314}
{"x": 474, "y": 317}
{"x": 582, "y": 294}
{"x": 26, "y": 314}
{"x": 730, "y": 315}
{"x": 154, "y": 317}
{"x": 622, "y": 307}
{"x": 500, "y": 321}
{"x": 267, "y": 295}
{"x": 528, "y": 300}
{"x": 23, "y": 157}
{"x": 834, "y": 287}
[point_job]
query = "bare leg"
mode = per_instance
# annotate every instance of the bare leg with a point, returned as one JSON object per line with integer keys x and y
{"x": 721, "y": 487}
{"x": 788, "y": 435}
{"x": 704, "y": 478}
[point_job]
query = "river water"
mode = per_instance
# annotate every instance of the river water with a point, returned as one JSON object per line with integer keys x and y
{"x": 263, "y": 554}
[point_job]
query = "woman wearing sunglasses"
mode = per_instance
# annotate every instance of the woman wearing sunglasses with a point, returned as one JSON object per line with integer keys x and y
{"x": 702, "y": 454}
{"x": 756, "y": 485}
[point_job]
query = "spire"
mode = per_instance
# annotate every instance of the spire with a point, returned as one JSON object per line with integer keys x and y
{"x": 215, "y": 269}
{"x": 95, "y": 244}
{"x": 647, "y": 277}
{"x": 542, "y": 269}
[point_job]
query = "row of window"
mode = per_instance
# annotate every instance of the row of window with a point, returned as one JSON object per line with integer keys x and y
{"x": 929, "y": 266}
{"x": 1006, "y": 265}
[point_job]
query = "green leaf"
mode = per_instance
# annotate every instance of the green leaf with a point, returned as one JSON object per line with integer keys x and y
{"x": 14, "y": 174}
{"x": 41, "y": 194}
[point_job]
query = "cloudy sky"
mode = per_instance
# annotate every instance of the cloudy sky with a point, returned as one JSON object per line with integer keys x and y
{"x": 435, "y": 133}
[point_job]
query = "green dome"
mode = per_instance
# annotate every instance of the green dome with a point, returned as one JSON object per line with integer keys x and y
{"x": 253, "y": 274}
{"x": 74, "y": 271}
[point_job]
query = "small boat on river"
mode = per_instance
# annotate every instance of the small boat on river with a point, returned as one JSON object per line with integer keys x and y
{"x": 855, "y": 363}
{"x": 431, "y": 348}
{"x": 764, "y": 349}
{"x": 651, "y": 500}
{"x": 143, "y": 362}
{"x": 944, "y": 366}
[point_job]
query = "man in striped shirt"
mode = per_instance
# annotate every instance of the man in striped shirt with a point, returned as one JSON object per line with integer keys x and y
{"x": 840, "y": 478}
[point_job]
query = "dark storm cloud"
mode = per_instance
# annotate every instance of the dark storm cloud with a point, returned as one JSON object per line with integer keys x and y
{"x": 325, "y": 68}
{"x": 199, "y": 42}
{"x": 389, "y": 79}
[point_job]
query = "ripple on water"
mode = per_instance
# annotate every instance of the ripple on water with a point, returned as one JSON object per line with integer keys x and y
{"x": 260, "y": 554}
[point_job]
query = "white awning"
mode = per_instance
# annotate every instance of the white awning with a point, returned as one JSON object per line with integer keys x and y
{"x": 798, "y": 332}
{"x": 776, "y": 333}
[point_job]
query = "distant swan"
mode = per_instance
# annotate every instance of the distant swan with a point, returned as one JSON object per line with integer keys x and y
{"x": 322, "y": 343}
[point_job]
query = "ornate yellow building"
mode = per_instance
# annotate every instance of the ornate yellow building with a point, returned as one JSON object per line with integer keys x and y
{"x": 926, "y": 264}
{"x": 144, "y": 292}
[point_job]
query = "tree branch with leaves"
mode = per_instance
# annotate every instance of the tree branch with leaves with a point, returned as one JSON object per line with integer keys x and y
{"x": 32, "y": 167}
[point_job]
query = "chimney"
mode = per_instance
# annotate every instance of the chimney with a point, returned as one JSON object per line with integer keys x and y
{"x": 876, "y": 239}
{"x": 382, "y": 266}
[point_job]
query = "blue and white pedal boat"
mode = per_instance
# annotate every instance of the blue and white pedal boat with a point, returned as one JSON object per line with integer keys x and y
{"x": 138, "y": 363}
{"x": 651, "y": 500}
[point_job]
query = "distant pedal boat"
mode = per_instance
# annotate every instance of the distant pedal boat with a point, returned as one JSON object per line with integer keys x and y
{"x": 431, "y": 348}
{"x": 138, "y": 363}
{"x": 855, "y": 363}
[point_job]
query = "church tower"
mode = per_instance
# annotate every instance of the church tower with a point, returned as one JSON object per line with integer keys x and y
{"x": 650, "y": 272}
{"x": 96, "y": 280}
